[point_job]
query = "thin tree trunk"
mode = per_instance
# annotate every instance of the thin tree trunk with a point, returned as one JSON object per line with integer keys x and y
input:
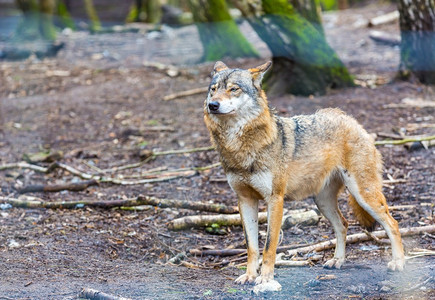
{"x": 218, "y": 32}
{"x": 92, "y": 15}
{"x": 417, "y": 50}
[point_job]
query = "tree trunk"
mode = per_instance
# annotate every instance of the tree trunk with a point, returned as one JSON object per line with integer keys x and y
{"x": 304, "y": 63}
{"x": 46, "y": 25}
{"x": 92, "y": 15}
{"x": 218, "y": 32}
{"x": 153, "y": 11}
{"x": 147, "y": 11}
{"x": 64, "y": 15}
{"x": 417, "y": 50}
{"x": 37, "y": 21}
{"x": 309, "y": 10}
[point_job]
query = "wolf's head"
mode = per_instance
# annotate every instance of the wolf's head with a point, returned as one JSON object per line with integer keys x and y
{"x": 235, "y": 93}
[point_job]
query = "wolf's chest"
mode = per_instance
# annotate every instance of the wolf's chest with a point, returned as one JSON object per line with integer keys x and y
{"x": 261, "y": 182}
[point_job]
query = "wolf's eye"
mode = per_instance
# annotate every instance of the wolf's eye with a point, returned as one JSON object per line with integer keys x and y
{"x": 213, "y": 89}
{"x": 234, "y": 89}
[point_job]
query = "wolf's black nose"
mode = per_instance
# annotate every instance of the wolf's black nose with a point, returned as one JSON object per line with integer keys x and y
{"x": 213, "y": 106}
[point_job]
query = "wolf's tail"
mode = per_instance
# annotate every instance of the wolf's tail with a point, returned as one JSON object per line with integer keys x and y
{"x": 361, "y": 215}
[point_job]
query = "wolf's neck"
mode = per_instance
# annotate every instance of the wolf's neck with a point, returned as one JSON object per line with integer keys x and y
{"x": 246, "y": 136}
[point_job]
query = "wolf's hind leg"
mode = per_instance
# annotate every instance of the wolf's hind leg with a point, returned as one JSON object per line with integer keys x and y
{"x": 367, "y": 191}
{"x": 327, "y": 203}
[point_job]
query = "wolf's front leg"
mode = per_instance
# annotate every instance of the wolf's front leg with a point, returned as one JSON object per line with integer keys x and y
{"x": 248, "y": 209}
{"x": 265, "y": 281}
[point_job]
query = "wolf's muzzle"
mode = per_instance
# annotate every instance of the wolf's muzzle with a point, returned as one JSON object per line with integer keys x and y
{"x": 213, "y": 106}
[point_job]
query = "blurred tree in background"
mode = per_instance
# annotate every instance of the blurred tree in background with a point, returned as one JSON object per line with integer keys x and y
{"x": 37, "y": 20}
{"x": 417, "y": 50}
{"x": 95, "y": 24}
{"x": 148, "y": 11}
{"x": 218, "y": 32}
{"x": 304, "y": 63}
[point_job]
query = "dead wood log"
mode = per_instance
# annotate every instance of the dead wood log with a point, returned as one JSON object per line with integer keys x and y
{"x": 310, "y": 217}
{"x": 360, "y": 237}
{"x": 73, "y": 186}
{"x": 34, "y": 202}
{"x": 186, "y": 93}
{"x": 92, "y": 294}
{"x": 384, "y": 19}
{"x": 385, "y": 38}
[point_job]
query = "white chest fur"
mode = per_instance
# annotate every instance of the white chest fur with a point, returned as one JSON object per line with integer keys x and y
{"x": 262, "y": 182}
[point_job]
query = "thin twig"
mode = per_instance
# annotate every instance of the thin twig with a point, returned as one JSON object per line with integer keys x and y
{"x": 23, "y": 165}
{"x": 360, "y": 237}
{"x": 185, "y": 93}
{"x": 72, "y": 186}
{"x": 404, "y": 141}
{"x": 153, "y": 155}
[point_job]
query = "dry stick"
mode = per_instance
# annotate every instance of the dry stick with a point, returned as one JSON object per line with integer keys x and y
{"x": 233, "y": 252}
{"x": 185, "y": 93}
{"x": 360, "y": 237}
{"x": 33, "y": 202}
{"x": 23, "y": 165}
{"x": 384, "y": 19}
{"x": 92, "y": 294}
{"x": 404, "y": 141}
{"x": 143, "y": 181}
{"x": 154, "y": 155}
{"x": 187, "y": 172}
{"x": 310, "y": 217}
{"x": 73, "y": 186}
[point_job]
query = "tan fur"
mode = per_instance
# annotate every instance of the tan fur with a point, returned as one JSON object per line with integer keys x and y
{"x": 363, "y": 217}
{"x": 270, "y": 157}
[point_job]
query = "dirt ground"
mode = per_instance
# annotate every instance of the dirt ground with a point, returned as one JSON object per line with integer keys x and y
{"x": 101, "y": 106}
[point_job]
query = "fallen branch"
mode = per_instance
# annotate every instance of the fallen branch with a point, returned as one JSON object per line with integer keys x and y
{"x": 185, "y": 93}
{"x": 385, "y": 37}
{"x": 34, "y": 202}
{"x": 280, "y": 262}
{"x": 404, "y": 141}
{"x": 73, "y": 186}
{"x": 153, "y": 155}
{"x": 411, "y": 103}
{"x": 384, "y": 19}
{"x": 23, "y": 165}
{"x": 161, "y": 178}
{"x": 233, "y": 252}
{"x": 310, "y": 217}
{"x": 359, "y": 237}
{"x": 419, "y": 253}
{"x": 92, "y": 294}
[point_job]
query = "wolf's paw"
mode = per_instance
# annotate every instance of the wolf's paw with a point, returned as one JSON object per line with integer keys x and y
{"x": 266, "y": 286}
{"x": 246, "y": 278}
{"x": 396, "y": 264}
{"x": 334, "y": 263}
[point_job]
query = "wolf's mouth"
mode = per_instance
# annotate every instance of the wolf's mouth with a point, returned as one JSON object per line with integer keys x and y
{"x": 231, "y": 112}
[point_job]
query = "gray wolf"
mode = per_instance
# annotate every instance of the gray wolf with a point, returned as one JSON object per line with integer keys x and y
{"x": 266, "y": 157}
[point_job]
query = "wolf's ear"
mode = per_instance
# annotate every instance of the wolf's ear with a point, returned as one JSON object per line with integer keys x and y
{"x": 219, "y": 66}
{"x": 258, "y": 72}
